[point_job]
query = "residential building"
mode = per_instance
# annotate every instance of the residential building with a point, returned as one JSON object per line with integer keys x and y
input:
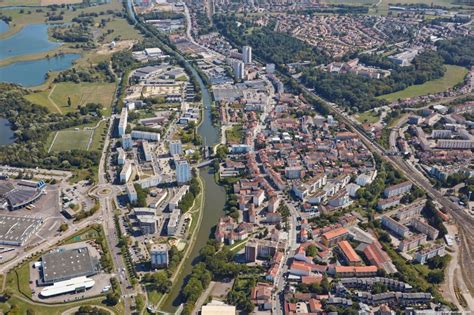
{"x": 172, "y": 226}
{"x": 424, "y": 228}
{"x": 395, "y": 226}
{"x": 398, "y": 189}
{"x": 126, "y": 172}
{"x": 330, "y": 238}
{"x": 183, "y": 171}
{"x": 122, "y": 125}
{"x": 175, "y": 147}
{"x": 145, "y": 135}
{"x": 408, "y": 212}
{"x": 159, "y": 255}
{"x": 131, "y": 193}
{"x": 348, "y": 253}
{"x": 412, "y": 242}
{"x": 427, "y": 253}
{"x": 247, "y": 55}
{"x": 355, "y": 271}
{"x": 146, "y": 151}
{"x": 121, "y": 156}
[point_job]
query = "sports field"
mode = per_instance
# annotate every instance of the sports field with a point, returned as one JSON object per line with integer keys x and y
{"x": 56, "y": 99}
{"x": 453, "y": 76}
{"x": 66, "y": 140}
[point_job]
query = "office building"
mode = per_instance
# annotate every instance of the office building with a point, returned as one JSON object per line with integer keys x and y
{"x": 159, "y": 255}
{"x": 122, "y": 126}
{"x": 247, "y": 55}
{"x": 183, "y": 171}
{"x": 176, "y": 147}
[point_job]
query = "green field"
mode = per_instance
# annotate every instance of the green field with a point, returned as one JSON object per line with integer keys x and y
{"x": 383, "y": 5}
{"x": 70, "y": 139}
{"x": 122, "y": 30}
{"x": 369, "y": 117}
{"x": 56, "y": 99}
{"x": 453, "y": 76}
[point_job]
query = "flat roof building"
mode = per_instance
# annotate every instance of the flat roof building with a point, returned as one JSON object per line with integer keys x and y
{"x": 15, "y": 231}
{"x": 122, "y": 125}
{"x": 65, "y": 264}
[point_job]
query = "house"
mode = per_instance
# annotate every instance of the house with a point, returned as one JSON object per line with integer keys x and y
{"x": 261, "y": 296}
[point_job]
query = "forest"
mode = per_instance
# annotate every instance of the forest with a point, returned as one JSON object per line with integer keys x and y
{"x": 267, "y": 44}
{"x": 458, "y": 51}
{"x": 359, "y": 93}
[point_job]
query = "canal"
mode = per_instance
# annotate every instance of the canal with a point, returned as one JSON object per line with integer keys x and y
{"x": 213, "y": 205}
{"x": 214, "y": 194}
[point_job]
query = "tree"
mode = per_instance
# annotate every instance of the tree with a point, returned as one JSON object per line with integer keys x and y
{"x": 112, "y": 298}
{"x": 311, "y": 251}
{"x": 63, "y": 227}
{"x": 436, "y": 276}
{"x": 69, "y": 102}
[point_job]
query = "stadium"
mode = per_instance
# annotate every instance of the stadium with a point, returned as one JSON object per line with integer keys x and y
{"x": 18, "y": 194}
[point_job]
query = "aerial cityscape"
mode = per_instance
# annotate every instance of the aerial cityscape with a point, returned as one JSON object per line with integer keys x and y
{"x": 236, "y": 157}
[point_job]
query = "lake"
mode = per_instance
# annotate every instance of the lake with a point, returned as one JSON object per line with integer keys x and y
{"x": 3, "y": 26}
{"x": 32, "y": 73}
{"x": 32, "y": 39}
{"x": 6, "y": 134}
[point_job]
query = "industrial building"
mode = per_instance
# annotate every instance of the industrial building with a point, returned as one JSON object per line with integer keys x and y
{"x": 79, "y": 284}
{"x": 66, "y": 264}
{"x": 15, "y": 231}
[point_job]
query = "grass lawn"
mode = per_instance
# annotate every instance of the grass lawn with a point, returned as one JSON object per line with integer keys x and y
{"x": 234, "y": 134}
{"x": 453, "y": 76}
{"x": 71, "y": 139}
{"x": 368, "y": 117}
{"x": 56, "y": 98}
{"x": 153, "y": 296}
{"x": 121, "y": 31}
{"x": 98, "y": 137}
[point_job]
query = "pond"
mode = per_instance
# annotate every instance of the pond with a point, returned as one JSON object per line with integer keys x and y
{"x": 6, "y": 133}
{"x": 32, "y": 39}
{"x": 32, "y": 73}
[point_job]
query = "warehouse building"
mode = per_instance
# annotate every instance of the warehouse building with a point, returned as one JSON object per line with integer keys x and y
{"x": 15, "y": 231}
{"x": 65, "y": 264}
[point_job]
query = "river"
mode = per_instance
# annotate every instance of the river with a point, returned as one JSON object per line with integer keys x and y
{"x": 214, "y": 195}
